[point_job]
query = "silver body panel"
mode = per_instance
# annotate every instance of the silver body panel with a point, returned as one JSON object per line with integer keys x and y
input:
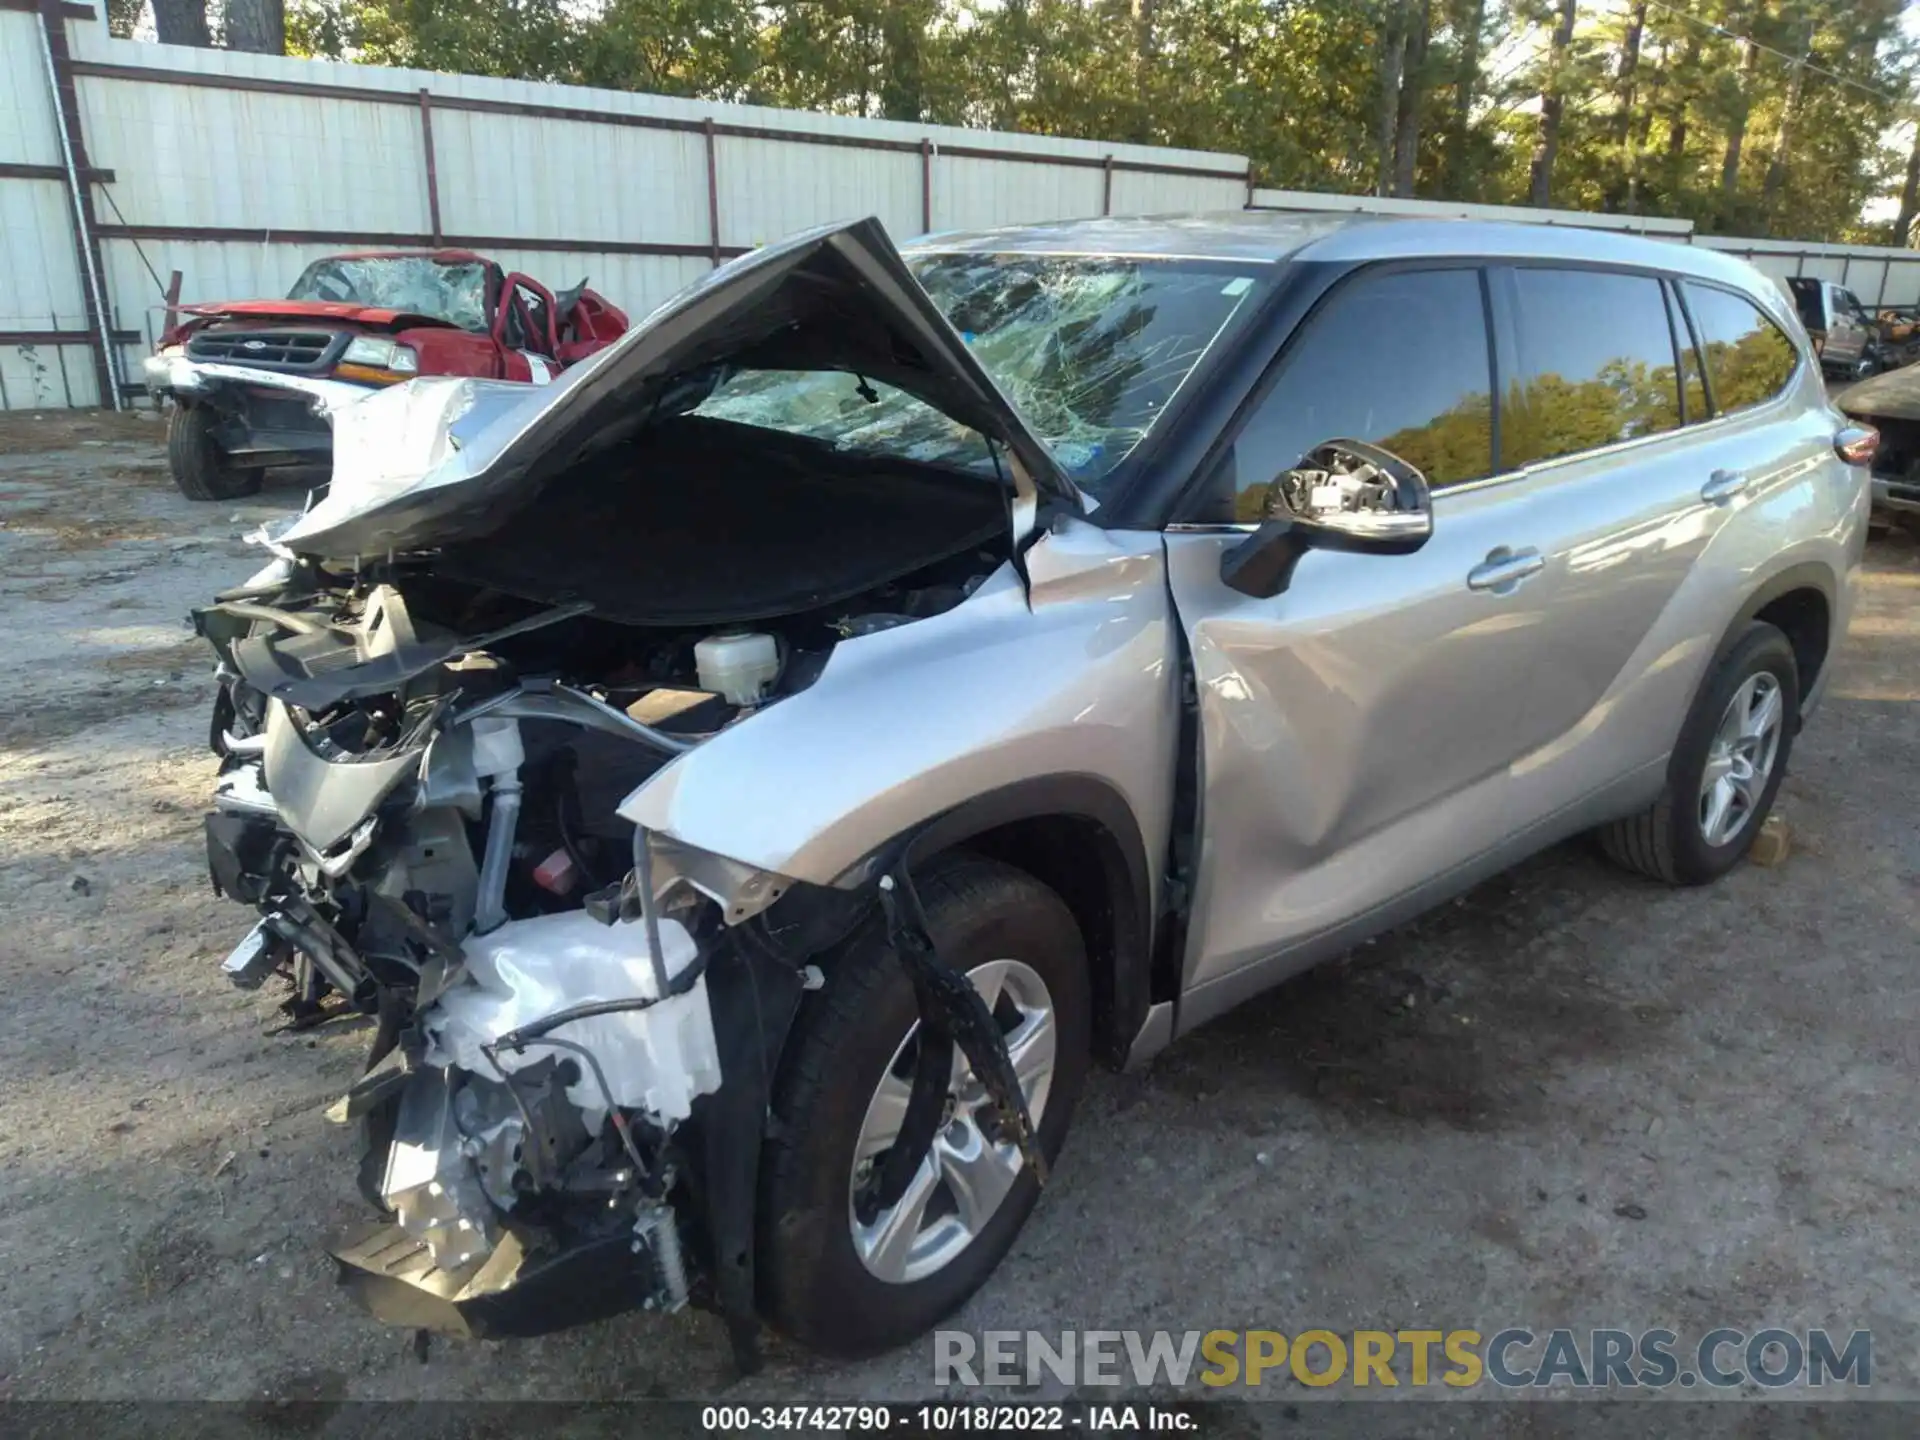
{"x": 322, "y": 801}
{"x": 1376, "y": 738}
{"x": 1382, "y": 734}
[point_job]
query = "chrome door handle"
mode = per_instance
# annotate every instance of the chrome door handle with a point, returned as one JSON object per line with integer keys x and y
{"x": 1722, "y": 486}
{"x": 1504, "y": 569}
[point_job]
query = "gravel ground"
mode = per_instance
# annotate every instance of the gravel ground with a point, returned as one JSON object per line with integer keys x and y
{"x": 1569, "y": 1099}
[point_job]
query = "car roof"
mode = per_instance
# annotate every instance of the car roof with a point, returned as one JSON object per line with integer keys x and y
{"x": 444, "y": 257}
{"x": 1274, "y": 236}
{"x": 1226, "y": 235}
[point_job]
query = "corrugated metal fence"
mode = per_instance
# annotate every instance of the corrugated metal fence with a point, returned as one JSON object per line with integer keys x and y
{"x": 1876, "y": 276}
{"x": 236, "y": 170}
{"x": 1312, "y": 201}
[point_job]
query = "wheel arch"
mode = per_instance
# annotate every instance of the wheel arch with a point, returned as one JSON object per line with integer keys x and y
{"x": 1074, "y": 833}
{"x": 1077, "y": 835}
{"x": 1799, "y": 601}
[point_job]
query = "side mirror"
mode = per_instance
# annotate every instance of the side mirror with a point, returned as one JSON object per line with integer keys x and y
{"x": 1343, "y": 495}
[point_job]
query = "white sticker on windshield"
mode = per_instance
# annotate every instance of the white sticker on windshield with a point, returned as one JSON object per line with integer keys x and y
{"x": 1237, "y": 287}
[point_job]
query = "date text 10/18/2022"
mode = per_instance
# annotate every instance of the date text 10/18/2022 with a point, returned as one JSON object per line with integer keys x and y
{"x": 981, "y": 1419}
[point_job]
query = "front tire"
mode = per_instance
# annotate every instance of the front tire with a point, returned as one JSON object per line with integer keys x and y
{"x": 836, "y": 1275}
{"x": 200, "y": 466}
{"x": 1725, "y": 770}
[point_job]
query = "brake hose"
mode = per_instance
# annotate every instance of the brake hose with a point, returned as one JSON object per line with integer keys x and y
{"x": 519, "y": 1039}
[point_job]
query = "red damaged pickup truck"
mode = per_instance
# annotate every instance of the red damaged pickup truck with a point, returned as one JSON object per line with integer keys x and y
{"x": 254, "y": 381}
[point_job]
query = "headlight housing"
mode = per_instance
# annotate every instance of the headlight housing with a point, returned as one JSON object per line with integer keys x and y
{"x": 370, "y": 351}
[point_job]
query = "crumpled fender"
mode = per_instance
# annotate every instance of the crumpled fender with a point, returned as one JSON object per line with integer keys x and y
{"x": 908, "y": 723}
{"x": 177, "y": 375}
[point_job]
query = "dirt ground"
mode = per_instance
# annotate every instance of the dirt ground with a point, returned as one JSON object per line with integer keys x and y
{"x": 1568, "y": 1099}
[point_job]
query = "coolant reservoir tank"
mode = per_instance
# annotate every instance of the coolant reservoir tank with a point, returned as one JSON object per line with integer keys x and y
{"x": 496, "y": 746}
{"x": 739, "y": 666}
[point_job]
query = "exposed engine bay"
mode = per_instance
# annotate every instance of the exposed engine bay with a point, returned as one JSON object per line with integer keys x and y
{"x": 420, "y": 789}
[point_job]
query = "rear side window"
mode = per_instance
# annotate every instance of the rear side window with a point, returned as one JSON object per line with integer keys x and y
{"x": 1595, "y": 364}
{"x": 1749, "y": 359}
{"x": 1399, "y": 360}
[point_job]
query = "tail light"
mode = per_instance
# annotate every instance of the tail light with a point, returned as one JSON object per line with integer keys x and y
{"x": 1857, "y": 444}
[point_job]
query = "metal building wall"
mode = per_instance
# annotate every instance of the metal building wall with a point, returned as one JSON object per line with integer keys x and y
{"x": 1876, "y": 274}
{"x": 40, "y": 284}
{"x": 1306, "y": 200}
{"x": 236, "y": 170}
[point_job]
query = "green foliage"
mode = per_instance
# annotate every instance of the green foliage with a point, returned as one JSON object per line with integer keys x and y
{"x": 1551, "y": 415}
{"x": 1751, "y": 369}
{"x": 1454, "y": 446}
{"x": 123, "y": 16}
{"x": 1653, "y": 114}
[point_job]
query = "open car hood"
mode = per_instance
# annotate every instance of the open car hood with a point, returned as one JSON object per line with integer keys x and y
{"x": 437, "y": 461}
{"x": 1894, "y": 395}
{"x": 337, "y": 310}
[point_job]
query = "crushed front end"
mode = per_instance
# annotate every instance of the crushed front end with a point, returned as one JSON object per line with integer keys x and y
{"x": 427, "y": 830}
{"x": 516, "y": 613}
{"x": 529, "y": 1176}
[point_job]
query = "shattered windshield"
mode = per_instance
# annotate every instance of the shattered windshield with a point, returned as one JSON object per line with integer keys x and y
{"x": 1090, "y": 349}
{"x": 418, "y": 284}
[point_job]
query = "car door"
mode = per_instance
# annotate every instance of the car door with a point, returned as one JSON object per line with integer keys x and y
{"x": 1357, "y": 729}
{"x": 1810, "y": 302}
{"x": 523, "y": 331}
{"x": 1846, "y": 331}
{"x": 1602, "y": 411}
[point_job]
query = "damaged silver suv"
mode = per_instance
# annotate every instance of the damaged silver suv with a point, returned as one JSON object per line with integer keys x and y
{"x": 754, "y": 778}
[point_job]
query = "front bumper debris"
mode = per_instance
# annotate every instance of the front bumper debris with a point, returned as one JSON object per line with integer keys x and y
{"x": 177, "y": 375}
{"x": 1901, "y": 495}
{"x": 513, "y": 1291}
{"x": 952, "y": 1015}
{"x": 253, "y": 959}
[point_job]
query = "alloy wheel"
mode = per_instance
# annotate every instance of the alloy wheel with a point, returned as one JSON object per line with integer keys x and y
{"x": 968, "y": 1170}
{"x": 1741, "y": 758}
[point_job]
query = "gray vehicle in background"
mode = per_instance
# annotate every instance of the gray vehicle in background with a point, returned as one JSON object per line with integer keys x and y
{"x": 1844, "y": 335}
{"x": 753, "y": 779}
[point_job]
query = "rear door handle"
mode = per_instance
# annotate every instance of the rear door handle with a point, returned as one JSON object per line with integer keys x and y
{"x": 1504, "y": 569}
{"x": 1722, "y": 486}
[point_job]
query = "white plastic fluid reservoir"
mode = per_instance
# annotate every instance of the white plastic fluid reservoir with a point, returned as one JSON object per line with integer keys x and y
{"x": 739, "y": 666}
{"x": 657, "y": 1059}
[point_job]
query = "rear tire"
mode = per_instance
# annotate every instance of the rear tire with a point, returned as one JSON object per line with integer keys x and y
{"x": 1673, "y": 840}
{"x": 814, "y": 1285}
{"x": 200, "y": 467}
